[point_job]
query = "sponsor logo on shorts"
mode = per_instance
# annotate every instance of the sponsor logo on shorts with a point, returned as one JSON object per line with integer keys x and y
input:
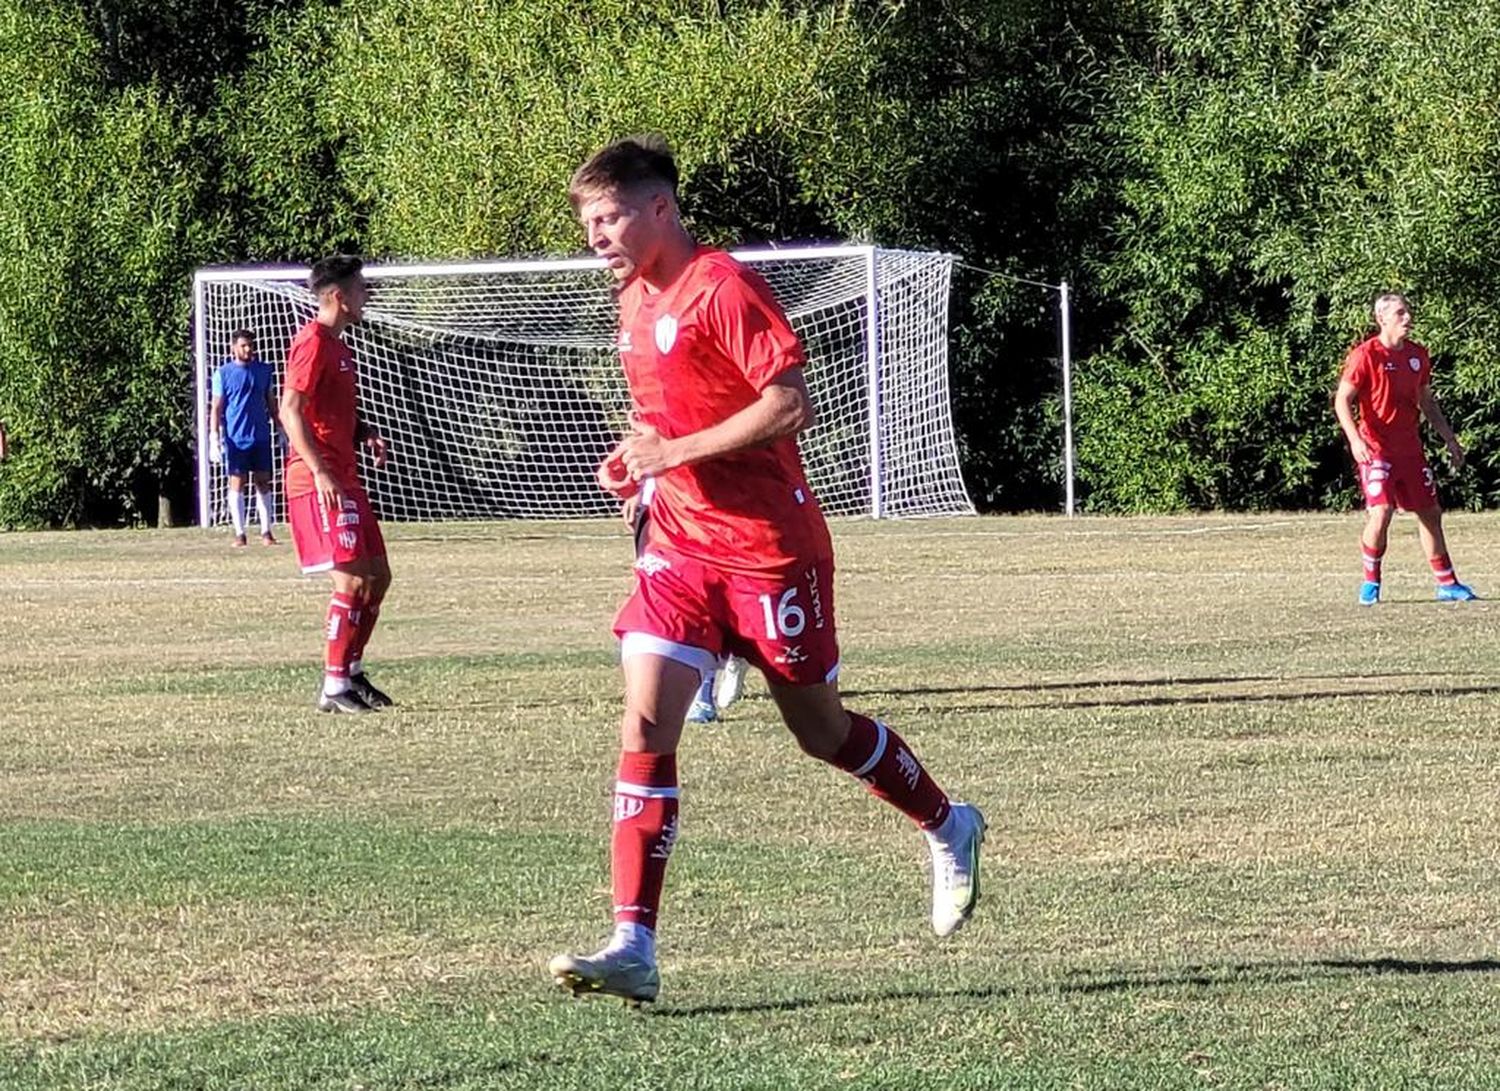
{"x": 791, "y": 654}
{"x": 347, "y": 538}
{"x": 1416, "y": 365}
{"x": 816, "y": 596}
{"x": 651, "y": 564}
{"x": 348, "y": 519}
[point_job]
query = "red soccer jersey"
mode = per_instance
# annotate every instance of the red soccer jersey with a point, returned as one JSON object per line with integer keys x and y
{"x": 1390, "y": 384}
{"x": 695, "y": 354}
{"x": 321, "y": 366}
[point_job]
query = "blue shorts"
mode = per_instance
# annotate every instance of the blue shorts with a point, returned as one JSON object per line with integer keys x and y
{"x": 239, "y": 461}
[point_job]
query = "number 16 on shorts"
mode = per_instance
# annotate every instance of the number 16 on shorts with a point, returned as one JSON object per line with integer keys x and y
{"x": 792, "y": 626}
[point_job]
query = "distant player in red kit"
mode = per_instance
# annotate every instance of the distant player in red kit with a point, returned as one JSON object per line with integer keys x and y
{"x": 739, "y": 559}
{"x": 333, "y": 526}
{"x": 1388, "y": 380}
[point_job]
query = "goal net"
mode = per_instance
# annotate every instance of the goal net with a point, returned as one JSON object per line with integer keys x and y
{"x": 500, "y": 390}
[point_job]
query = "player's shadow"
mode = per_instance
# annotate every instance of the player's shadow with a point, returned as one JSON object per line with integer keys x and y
{"x": 1194, "y": 977}
{"x": 1171, "y": 700}
{"x": 1141, "y": 683}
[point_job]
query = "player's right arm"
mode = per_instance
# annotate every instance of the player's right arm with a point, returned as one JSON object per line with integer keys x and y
{"x": 294, "y": 424}
{"x": 301, "y": 376}
{"x": 216, "y": 419}
{"x": 614, "y": 476}
{"x": 1346, "y": 401}
{"x": 783, "y": 408}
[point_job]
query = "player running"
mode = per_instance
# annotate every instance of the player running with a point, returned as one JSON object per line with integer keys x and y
{"x": 739, "y": 557}
{"x": 1389, "y": 380}
{"x": 333, "y": 526}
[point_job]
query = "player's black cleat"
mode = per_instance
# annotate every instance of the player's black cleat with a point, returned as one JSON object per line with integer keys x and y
{"x": 361, "y": 684}
{"x": 348, "y": 701}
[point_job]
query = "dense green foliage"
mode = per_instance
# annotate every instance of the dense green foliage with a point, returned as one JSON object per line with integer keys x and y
{"x": 1226, "y": 185}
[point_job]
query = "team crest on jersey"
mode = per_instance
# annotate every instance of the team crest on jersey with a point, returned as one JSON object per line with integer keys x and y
{"x": 1416, "y": 364}
{"x": 666, "y": 333}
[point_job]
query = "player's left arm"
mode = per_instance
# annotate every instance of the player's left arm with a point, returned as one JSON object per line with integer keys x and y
{"x": 367, "y": 434}
{"x": 273, "y": 404}
{"x": 783, "y": 408}
{"x": 1434, "y": 414}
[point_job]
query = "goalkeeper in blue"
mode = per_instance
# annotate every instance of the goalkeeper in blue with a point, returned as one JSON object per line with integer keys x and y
{"x": 244, "y": 401}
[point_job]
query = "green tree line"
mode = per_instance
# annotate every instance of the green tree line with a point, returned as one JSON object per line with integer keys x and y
{"x": 1226, "y": 185}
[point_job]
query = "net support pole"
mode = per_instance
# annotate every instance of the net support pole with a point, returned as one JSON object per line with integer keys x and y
{"x": 200, "y": 371}
{"x": 872, "y": 362}
{"x": 1067, "y": 378}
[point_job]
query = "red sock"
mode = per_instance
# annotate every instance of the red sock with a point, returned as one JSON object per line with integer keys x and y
{"x": 343, "y": 628}
{"x": 367, "y": 618}
{"x": 880, "y": 757}
{"x": 1372, "y": 561}
{"x": 1442, "y": 570}
{"x": 645, "y": 830}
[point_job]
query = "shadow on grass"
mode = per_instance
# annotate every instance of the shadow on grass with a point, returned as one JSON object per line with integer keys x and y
{"x": 1167, "y": 700}
{"x": 1197, "y": 977}
{"x": 1141, "y": 683}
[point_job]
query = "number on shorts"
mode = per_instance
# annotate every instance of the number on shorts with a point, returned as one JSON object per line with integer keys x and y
{"x": 788, "y": 619}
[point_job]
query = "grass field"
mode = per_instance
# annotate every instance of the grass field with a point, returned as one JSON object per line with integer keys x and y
{"x": 1243, "y": 833}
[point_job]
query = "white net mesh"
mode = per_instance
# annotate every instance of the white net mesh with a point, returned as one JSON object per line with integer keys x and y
{"x": 499, "y": 387}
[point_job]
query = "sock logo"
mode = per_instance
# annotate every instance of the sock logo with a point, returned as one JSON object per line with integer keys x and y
{"x": 628, "y": 807}
{"x": 908, "y": 767}
{"x": 663, "y": 847}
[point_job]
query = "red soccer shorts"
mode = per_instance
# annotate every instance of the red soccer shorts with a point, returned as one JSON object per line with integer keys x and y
{"x": 694, "y": 612}
{"x": 324, "y": 543}
{"x": 1404, "y": 481}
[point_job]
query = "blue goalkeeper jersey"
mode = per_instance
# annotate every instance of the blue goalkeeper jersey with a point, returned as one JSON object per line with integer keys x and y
{"x": 247, "y": 421}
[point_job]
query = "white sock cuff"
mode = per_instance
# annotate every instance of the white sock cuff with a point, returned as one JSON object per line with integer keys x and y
{"x": 881, "y": 735}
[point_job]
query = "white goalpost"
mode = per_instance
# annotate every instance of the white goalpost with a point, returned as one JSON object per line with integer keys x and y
{"x": 499, "y": 387}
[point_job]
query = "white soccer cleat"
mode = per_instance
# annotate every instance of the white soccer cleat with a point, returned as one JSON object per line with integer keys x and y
{"x": 610, "y": 972}
{"x": 731, "y": 682}
{"x": 955, "y": 869}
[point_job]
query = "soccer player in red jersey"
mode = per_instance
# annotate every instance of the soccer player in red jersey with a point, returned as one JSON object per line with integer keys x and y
{"x": 739, "y": 558}
{"x": 1388, "y": 381}
{"x": 333, "y": 526}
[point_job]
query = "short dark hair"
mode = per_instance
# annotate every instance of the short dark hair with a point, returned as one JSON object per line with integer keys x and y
{"x": 630, "y": 163}
{"x": 334, "y": 269}
{"x": 242, "y": 335}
